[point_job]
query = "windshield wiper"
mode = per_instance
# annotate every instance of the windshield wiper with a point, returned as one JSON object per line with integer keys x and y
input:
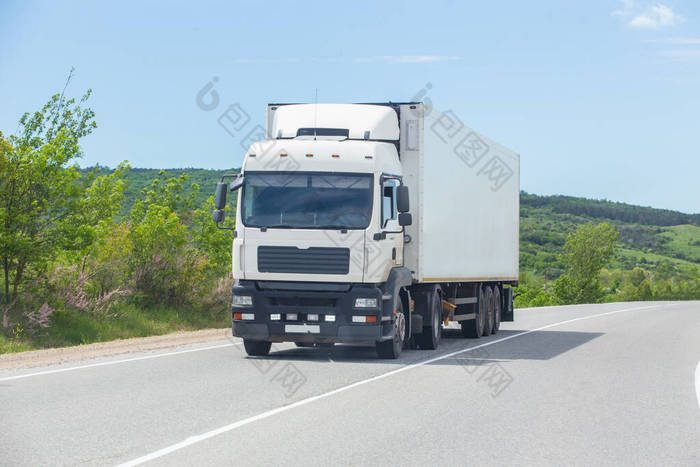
{"x": 276, "y": 226}
{"x": 332, "y": 226}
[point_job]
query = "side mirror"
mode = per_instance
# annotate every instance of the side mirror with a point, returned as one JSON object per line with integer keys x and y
{"x": 220, "y": 196}
{"x": 402, "y": 199}
{"x": 218, "y": 216}
{"x": 237, "y": 183}
{"x": 405, "y": 219}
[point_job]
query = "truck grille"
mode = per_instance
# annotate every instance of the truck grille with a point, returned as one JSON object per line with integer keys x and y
{"x": 290, "y": 259}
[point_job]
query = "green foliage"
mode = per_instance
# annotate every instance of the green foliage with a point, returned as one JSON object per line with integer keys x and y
{"x": 585, "y": 254}
{"x": 215, "y": 243}
{"x": 169, "y": 193}
{"x": 139, "y": 179}
{"x": 125, "y": 320}
{"x": 47, "y": 206}
{"x": 532, "y": 292}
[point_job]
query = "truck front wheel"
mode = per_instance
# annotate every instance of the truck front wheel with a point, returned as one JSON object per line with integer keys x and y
{"x": 392, "y": 348}
{"x": 256, "y": 348}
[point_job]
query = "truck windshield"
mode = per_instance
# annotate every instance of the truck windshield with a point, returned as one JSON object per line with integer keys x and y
{"x": 307, "y": 200}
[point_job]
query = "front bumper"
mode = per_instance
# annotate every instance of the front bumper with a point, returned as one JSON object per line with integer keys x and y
{"x": 304, "y": 299}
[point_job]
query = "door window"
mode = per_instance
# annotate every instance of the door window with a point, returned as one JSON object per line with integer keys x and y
{"x": 389, "y": 211}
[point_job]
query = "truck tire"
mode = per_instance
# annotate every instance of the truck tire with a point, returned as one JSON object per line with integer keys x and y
{"x": 474, "y": 328}
{"x": 392, "y": 348}
{"x": 488, "y": 316}
{"x": 497, "y": 307}
{"x": 429, "y": 339}
{"x": 256, "y": 348}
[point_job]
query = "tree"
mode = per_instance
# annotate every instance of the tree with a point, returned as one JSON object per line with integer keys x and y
{"x": 165, "y": 265}
{"x": 585, "y": 253}
{"x": 46, "y": 205}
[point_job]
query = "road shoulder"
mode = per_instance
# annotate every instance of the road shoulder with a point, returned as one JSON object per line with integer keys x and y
{"x": 34, "y": 358}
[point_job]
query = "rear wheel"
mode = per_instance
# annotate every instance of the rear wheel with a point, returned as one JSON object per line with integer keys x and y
{"x": 496, "y": 310}
{"x": 256, "y": 348}
{"x": 475, "y": 327}
{"x": 429, "y": 339}
{"x": 392, "y": 348}
{"x": 488, "y": 316}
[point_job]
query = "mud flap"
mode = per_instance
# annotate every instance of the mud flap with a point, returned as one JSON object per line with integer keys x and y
{"x": 507, "y": 313}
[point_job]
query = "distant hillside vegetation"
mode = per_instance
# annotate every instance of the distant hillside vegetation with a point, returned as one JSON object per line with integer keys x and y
{"x": 602, "y": 209}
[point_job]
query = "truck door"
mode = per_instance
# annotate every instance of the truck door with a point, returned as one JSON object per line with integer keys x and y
{"x": 390, "y": 222}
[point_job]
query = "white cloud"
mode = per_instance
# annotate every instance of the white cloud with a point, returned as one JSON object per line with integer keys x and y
{"x": 682, "y": 54}
{"x": 647, "y": 16}
{"x": 408, "y": 58}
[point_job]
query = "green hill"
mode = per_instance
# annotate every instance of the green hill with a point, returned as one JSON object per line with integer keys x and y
{"x": 649, "y": 237}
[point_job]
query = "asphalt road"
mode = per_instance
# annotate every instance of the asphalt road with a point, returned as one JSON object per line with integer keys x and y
{"x": 612, "y": 384}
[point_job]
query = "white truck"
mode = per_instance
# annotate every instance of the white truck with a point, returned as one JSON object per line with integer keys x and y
{"x": 373, "y": 224}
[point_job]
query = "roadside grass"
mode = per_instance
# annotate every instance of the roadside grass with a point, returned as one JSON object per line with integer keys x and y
{"x": 9, "y": 345}
{"x": 123, "y": 321}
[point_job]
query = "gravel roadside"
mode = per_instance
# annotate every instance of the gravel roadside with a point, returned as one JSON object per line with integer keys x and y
{"x": 101, "y": 349}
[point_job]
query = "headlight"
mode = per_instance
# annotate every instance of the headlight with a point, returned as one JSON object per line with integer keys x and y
{"x": 365, "y": 303}
{"x": 242, "y": 300}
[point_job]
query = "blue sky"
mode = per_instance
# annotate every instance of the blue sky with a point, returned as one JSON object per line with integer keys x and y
{"x": 600, "y": 98}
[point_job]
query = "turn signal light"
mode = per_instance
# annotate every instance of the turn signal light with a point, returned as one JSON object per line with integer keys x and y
{"x": 364, "y": 319}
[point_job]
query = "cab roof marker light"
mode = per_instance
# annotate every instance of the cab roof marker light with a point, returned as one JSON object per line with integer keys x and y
{"x": 335, "y": 155}
{"x": 283, "y": 155}
{"x": 309, "y": 155}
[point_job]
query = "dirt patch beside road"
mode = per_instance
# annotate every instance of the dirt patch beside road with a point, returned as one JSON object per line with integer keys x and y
{"x": 102, "y": 349}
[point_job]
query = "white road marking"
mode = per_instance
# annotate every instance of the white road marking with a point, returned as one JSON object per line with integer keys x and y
{"x": 246, "y": 421}
{"x": 115, "y": 362}
{"x": 697, "y": 383}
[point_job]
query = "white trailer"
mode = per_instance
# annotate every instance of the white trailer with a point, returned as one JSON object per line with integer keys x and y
{"x": 374, "y": 224}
